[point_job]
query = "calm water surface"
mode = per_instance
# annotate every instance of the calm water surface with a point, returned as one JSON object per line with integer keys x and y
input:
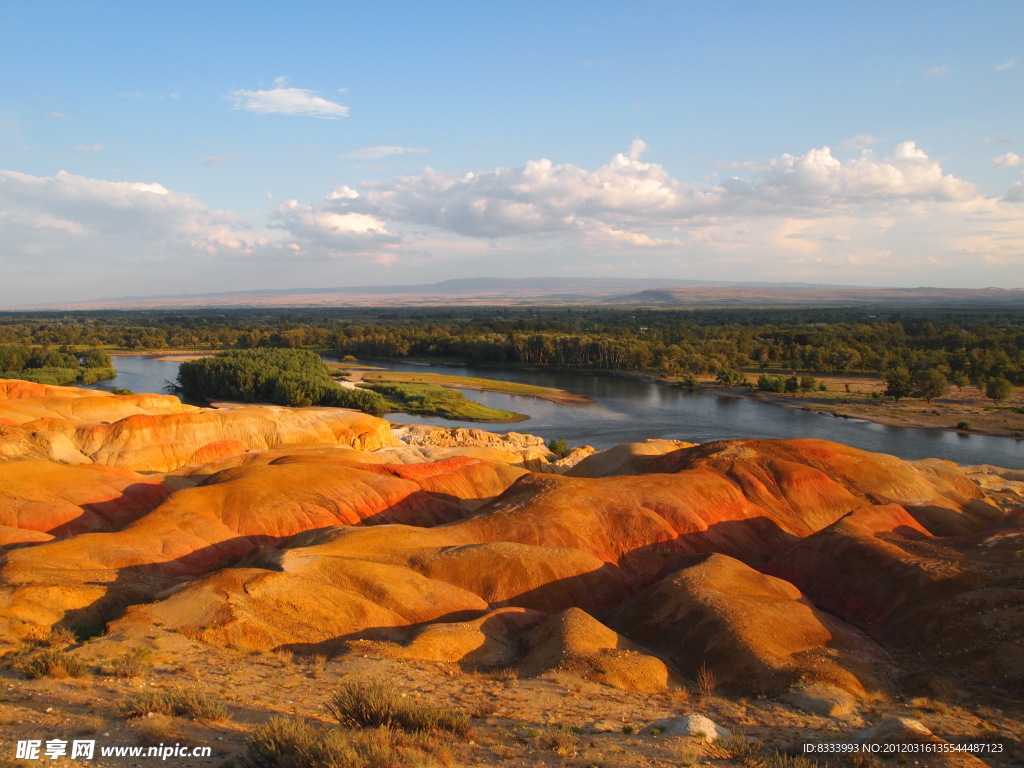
{"x": 626, "y": 410}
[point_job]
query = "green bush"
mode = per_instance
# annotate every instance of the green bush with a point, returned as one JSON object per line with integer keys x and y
{"x": 53, "y": 376}
{"x": 92, "y": 375}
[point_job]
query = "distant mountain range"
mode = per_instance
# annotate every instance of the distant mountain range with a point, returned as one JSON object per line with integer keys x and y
{"x": 649, "y": 292}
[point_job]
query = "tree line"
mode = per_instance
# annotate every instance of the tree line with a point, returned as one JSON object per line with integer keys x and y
{"x": 964, "y": 345}
{"x": 54, "y": 366}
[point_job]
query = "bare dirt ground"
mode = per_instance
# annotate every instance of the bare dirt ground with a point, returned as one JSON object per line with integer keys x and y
{"x": 555, "y": 720}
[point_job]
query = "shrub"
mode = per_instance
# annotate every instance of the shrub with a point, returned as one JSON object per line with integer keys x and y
{"x": 379, "y": 704}
{"x": 131, "y": 664}
{"x": 706, "y": 681}
{"x": 51, "y": 664}
{"x": 561, "y": 740}
{"x": 190, "y": 702}
{"x": 291, "y": 743}
{"x": 559, "y": 446}
{"x": 963, "y": 425}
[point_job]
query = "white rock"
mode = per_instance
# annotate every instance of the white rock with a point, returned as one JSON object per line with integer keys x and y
{"x": 689, "y": 725}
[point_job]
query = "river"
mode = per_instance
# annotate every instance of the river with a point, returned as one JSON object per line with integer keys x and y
{"x": 628, "y": 410}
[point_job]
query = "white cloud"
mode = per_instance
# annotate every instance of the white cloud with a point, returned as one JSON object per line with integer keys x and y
{"x": 1008, "y": 64}
{"x": 1009, "y": 159}
{"x": 56, "y": 115}
{"x": 629, "y": 194}
{"x": 938, "y": 71}
{"x": 105, "y": 219}
{"x": 375, "y": 153}
{"x": 88, "y": 148}
{"x": 332, "y": 231}
{"x": 811, "y": 216}
{"x": 287, "y": 101}
{"x": 860, "y": 141}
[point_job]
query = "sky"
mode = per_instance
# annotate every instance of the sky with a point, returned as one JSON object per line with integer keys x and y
{"x": 171, "y": 148}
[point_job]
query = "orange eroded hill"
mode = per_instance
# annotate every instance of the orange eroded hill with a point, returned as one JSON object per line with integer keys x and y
{"x": 318, "y": 529}
{"x": 157, "y": 433}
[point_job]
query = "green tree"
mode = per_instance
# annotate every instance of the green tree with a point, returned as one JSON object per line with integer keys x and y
{"x": 729, "y": 377}
{"x": 929, "y": 383}
{"x": 899, "y": 383}
{"x": 807, "y": 383}
{"x": 998, "y": 389}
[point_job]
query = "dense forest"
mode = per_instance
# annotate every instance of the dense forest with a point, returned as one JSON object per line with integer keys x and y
{"x": 279, "y": 376}
{"x": 46, "y": 365}
{"x": 965, "y": 346}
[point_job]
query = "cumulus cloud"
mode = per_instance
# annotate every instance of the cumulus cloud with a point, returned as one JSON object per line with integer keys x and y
{"x": 629, "y": 194}
{"x": 375, "y": 153}
{"x": 105, "y": 217}
{"x": 1008, "y": 64}
{"x": 331, "y": 230}
{"x": 1009, "y": 159}
{"x": 814, "y": 216}
{"x": 282, "y": 100}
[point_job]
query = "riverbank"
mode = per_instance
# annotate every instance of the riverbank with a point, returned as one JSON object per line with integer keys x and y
{"x": 966, "y": 411}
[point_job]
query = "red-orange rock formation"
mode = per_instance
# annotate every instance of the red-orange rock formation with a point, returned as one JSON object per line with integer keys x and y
{"x": 285, "y": 528}
{"x": 755, "y": 632}
{"x": 43, "y": 497}
{"x": 156, "y": 433}
{"x": 231, "y": 513}
{"x": 955, "y": 602}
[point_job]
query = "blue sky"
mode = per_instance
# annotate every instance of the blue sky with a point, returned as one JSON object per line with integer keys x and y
{"x": 184, "y": 148}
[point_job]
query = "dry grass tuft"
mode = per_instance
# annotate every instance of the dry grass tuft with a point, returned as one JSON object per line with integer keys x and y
{"x": 561, "y": 740}
{"x": 375, "y": 704}
{"x": 294, "y": 743}
{"x": 157, "y": 728}
{"x": 187, "y": 702}
{"x": 50, "y": 664}
{"x": 706, "y": 682}
{"x": 134, "y": 664}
